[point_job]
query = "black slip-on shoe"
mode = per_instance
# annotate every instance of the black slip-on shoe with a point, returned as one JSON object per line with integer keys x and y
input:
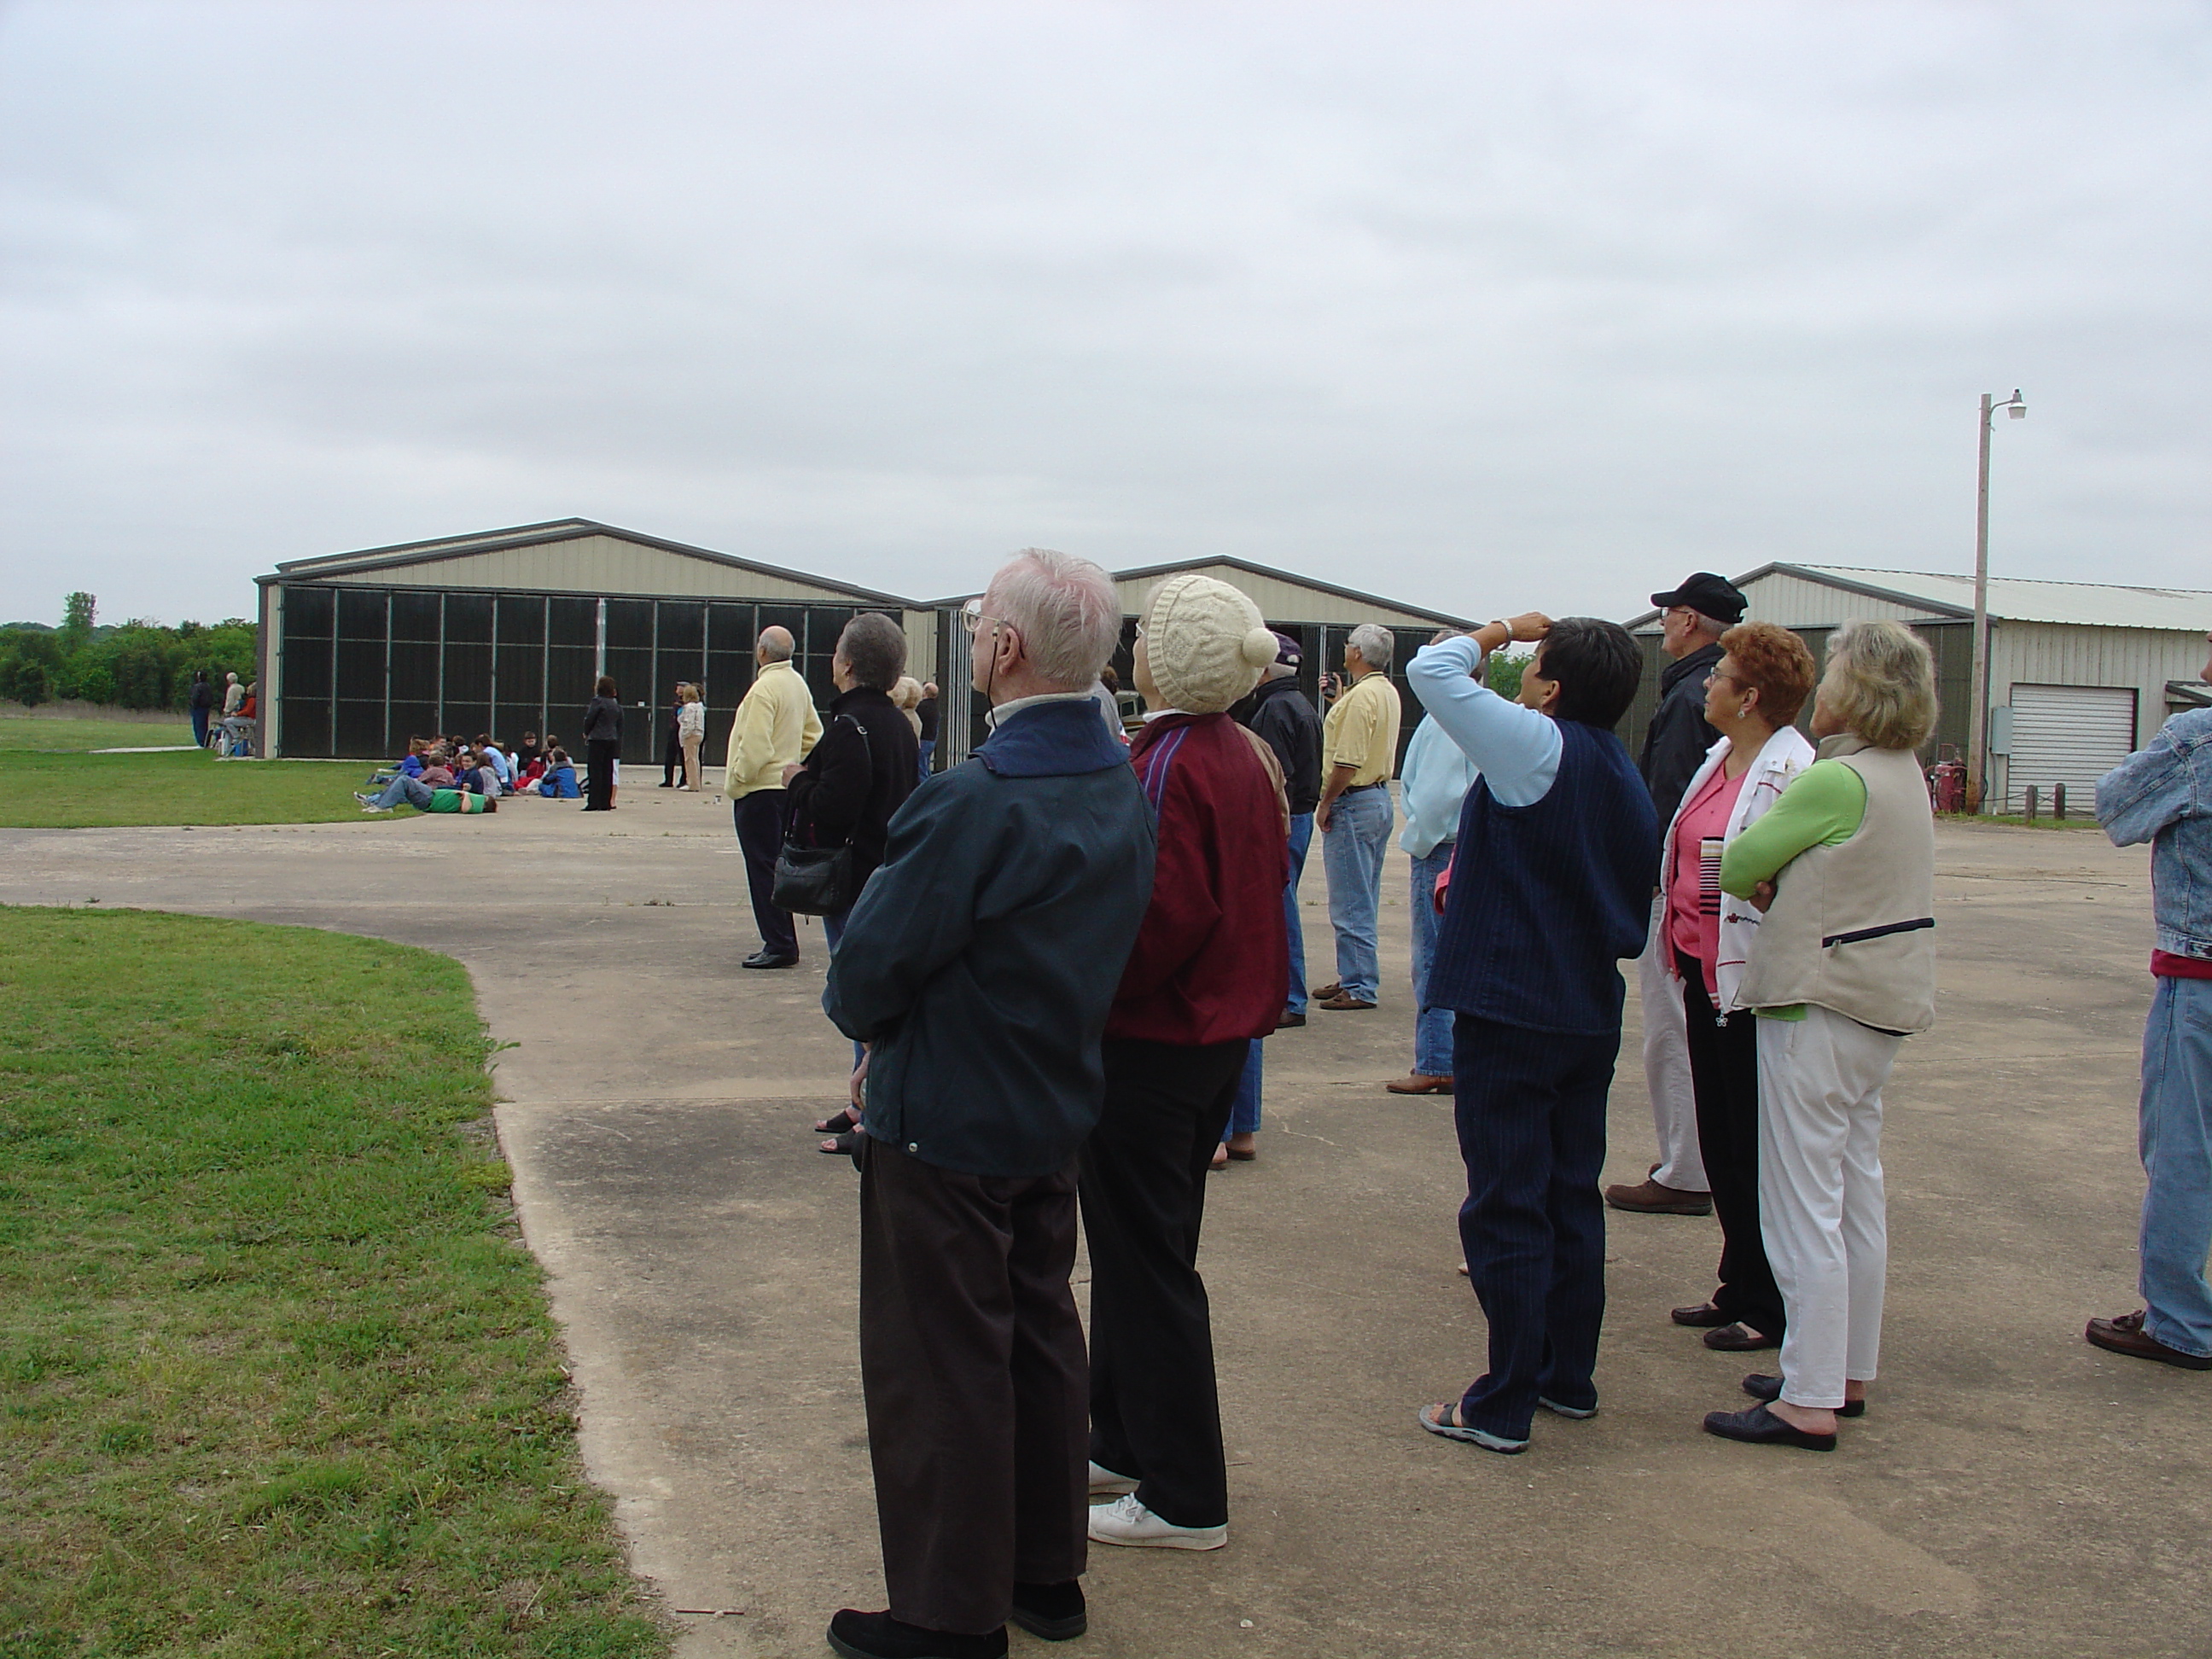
{"x": 1739, "y": 1338}
{"x": 1054, "y": 1612}
{"x": 1761, "y": 1427}
{"x": 768, "y": 959}
{"x": 1769, "y": 1389}
{"x": 859, "y": 1635}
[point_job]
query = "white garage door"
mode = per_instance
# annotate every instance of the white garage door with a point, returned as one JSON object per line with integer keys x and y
{"x": 2069, "y": 735}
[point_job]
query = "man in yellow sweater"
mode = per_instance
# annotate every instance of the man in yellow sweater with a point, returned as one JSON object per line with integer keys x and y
{"x": 777, "y": 726}
{"x": 1359, "y": 751}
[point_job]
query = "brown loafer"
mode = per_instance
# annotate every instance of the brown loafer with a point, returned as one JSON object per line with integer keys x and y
{"x": 1703, "y": 1314}
{"x": 1648, "y": 1197}
{"x": 1419, "y": 1084}
{"x": 1342, "y": 1000}
{"x": 1323, "y": 993}
{"x": 1291, "y": 1018}
{"x": 1739, "y": 1338}
{"x": 2126, "y": 1336}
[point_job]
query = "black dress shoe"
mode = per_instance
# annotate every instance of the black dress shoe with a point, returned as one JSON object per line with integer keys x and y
{"x": 878, "y": 1636}
{"x": 1053, "y": 1611}
{"x": 1761, "y": 1427}
{"x": 768, "y": 959}
{"x": 1768, "y": 1388}
{"x": 1739, "y": 1338}
{"x": 1703, "y": 1314}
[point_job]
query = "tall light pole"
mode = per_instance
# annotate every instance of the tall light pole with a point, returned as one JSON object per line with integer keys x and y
{"x": 1978, "y": 694}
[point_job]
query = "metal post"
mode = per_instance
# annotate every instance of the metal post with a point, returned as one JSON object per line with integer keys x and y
{"x": 1978, "y": 692}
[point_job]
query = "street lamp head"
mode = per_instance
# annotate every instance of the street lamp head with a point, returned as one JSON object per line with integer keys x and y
{"x": 2016, "y": 406}
{"x": 2019, "y": 411}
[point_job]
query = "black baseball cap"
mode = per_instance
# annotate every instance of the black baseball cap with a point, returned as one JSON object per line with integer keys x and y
{"x": 1708, "y": 595}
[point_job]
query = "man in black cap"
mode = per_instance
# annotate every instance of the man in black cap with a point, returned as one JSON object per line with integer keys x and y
{"x": 1693, "y": 617}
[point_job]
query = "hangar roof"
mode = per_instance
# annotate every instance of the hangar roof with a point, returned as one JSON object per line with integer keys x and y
{"x": 2011, "y": 599}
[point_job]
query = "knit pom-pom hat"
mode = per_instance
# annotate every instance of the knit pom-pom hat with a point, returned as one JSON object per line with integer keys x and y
{"x": 1206, "y": 642}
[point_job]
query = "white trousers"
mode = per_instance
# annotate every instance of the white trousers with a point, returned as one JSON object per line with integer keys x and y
{"x": 1820, "y": 1201}
{"x": 1667, "y": 1063}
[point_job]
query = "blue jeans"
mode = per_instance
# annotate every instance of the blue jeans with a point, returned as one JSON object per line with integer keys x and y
{"x": 412, "y": 790}
{"x": 1244, "y": 1112}
{"x": 928, "y": 747}
{"x": 1530, "y": 1106}
{"x": 1301, "y": 844}
{"x": 1433, "y": 1027}
{"x": 1352, "y": 854}
{"x": 2177, "y": 1158}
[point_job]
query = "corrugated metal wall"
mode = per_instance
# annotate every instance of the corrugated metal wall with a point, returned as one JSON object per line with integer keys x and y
{"x": 2048, "y": 654}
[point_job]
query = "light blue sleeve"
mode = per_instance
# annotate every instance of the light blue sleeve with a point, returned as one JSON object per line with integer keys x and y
{"x": 2154, "y": 787}
{"x": 1516, "y": 749}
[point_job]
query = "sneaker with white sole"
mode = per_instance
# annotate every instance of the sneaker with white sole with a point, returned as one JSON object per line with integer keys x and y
{"x": 1104, "y": 1479}
{"x": 1124, "y": 1521}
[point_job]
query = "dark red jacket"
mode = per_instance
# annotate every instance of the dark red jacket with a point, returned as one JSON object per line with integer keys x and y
{"x": 1212, "y": 961}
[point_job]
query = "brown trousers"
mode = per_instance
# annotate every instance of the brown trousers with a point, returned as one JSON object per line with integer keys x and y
{"x": 977, "y": 1391}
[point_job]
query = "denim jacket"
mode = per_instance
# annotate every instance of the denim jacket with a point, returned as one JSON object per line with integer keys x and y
{"x": 2162, "y": 793}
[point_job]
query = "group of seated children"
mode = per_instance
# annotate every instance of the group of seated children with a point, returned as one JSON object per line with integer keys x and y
{"x": 482, "y": 770}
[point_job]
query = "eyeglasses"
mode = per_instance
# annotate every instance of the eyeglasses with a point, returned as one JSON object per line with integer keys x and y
{"x": 974, "y": 620}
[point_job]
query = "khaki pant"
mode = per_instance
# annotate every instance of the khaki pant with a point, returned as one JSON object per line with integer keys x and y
{"x": 691, "y": 761}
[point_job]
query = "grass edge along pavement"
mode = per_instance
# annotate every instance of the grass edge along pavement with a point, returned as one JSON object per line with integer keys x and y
{"x": 46, "y": 790}
{"x": 276, "y": 1375}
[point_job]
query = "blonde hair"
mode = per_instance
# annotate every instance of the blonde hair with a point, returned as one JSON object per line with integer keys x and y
{"x": 1880, "y": 683}
{"x": 687, "y": 693}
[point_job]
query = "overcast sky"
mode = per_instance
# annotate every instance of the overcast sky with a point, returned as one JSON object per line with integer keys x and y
{"x": 1481, "y": 306}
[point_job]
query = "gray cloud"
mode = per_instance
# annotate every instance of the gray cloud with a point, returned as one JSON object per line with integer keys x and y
{"x": 1485, "y": 305}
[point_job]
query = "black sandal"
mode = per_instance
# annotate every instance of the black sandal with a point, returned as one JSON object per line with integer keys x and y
{"x": 844, "y": 1144}
{"x": 843, "y": 1123}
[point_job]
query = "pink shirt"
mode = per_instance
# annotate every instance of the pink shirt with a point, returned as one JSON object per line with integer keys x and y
{"x": 1693, "y": 897}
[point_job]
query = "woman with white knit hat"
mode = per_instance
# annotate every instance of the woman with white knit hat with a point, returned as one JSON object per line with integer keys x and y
{"x": 1205, "y": 979}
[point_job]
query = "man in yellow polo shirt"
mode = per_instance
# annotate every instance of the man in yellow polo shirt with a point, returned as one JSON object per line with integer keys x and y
{"x": 1359, "y": 751}
{"x": 777, "y": 725}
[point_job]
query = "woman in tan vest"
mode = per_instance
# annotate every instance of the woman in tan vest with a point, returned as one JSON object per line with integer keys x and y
{"x": 1842, "y": 971}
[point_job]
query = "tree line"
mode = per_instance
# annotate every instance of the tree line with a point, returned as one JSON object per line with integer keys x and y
{"x": 139, "y": 664}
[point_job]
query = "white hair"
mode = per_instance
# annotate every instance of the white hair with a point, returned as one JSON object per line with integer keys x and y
{"x": 1374, "y": 643}
{"x": 774, "y": 650}
{"x": 1065, "y": 611}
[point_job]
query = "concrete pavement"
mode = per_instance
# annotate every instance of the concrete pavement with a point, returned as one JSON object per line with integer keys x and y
{"x": 2012, "y": 1491}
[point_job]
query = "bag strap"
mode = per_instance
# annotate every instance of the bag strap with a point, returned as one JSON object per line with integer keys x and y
{"x": 869, "y": 750}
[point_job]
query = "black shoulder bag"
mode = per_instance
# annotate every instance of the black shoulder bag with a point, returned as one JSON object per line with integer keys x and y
{"x": 817, "y": 881}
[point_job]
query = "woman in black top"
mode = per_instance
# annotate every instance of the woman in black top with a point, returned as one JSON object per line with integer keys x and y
{"x": 858, "y": 775}
{"x": 603, "y": 718}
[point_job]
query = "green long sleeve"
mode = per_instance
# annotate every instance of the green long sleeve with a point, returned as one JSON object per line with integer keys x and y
{"x": 1826, "y": 804}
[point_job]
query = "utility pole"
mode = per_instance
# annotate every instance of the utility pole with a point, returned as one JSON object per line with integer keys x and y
{"x": 1978, "y": 694}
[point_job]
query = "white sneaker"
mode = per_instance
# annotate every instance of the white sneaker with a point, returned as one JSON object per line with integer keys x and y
{"x": 1124, "y": 1521}
{"x": 1104, "y": 1479}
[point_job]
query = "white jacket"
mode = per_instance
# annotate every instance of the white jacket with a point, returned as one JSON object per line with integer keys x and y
{"x": 1777, "y": 763}
{"x": 691, "y": 721}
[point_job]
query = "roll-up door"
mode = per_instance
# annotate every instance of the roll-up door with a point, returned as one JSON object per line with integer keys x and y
{"x": 2069, "y": 735}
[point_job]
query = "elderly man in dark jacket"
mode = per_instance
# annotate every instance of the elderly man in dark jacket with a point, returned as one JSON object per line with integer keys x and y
{"x": 1278, "y": 711}
{"x": 980, "y": 964}
{"x": 1693, "y": 617}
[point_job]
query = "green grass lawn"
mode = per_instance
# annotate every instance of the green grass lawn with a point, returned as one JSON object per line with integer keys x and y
{"x": 41, "y": 791}
{"x": 276, "y": 1376}
{"x": 80, "y": 735}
